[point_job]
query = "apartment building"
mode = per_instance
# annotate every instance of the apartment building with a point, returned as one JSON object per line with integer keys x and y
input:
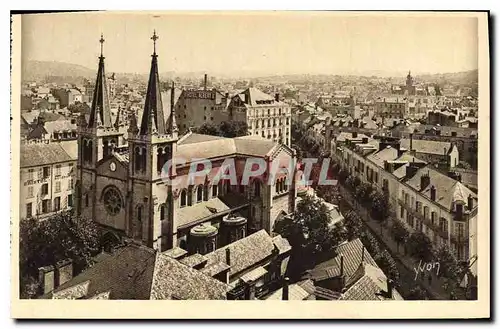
{"x": 421, "y": 197}
{"x": 265, "y": 115}
{"x": 47, "y": 178}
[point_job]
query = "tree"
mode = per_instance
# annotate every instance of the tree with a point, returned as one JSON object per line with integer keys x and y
{"x": 350, "y": 182}
{"x": 420, "y": 246}
{"x": 233, "y": 129}
{"x": 399, "y": 232}
{"x": 46, "y": 242}
{"x": 208, "y": 129}
{"x": 79, "y": 107}
{"x": 448, "y": 263}
{"x": 309, "y": 229}
{"x": 464, "y": 165}
{"x": 379, "y": 208}
{"x": 387, "y": 264}
{"x": 353, "y": 225}
{"x": 363, "y": 192}
{"x": 343, "y": 176}
{"x": 371, "y": 243}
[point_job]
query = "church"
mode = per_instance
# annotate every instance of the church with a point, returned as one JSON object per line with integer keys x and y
{"x": 121, "y": 188}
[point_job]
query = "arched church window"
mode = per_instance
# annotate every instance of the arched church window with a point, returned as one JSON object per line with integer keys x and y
{"x": 159, "y": 160}
{"x": 90, "y": 150}
{"x": 214, "y": 191}
{"x": 112, "y": 201}
{"x": 137, "y": 159}
{"x": 183, "y": 198}
{"x": 199, "y": 193}
{"x": 205, "y": 193}
{"x": 256, "y": 188}
{"x": 139, "y": 214}
{"x": 277, "y": 186}
{"x": 163, "y": 212}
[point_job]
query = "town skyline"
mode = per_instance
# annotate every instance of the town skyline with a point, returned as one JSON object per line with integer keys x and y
{"x": 387, "y": 46}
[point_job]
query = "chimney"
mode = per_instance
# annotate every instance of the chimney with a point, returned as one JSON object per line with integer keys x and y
{"x": 365, "y": 140}
{"x": 227, "y": 95}
{"x": 354, "y": 134}
{"x": 46, "y": 278}
{"x": 425, "y": 180}
{"x": 228, "y": 256}
{"x": 205, "y": 82}
{"x": 389, "y": 288}
{"x": 411, "y": 141}
{"x": 411, "y": 169}
{"x": 433, "y": 193}
{"x": 285, "y": 289}
{"x": 277, "y": 97}
{"x": 64, "y": 271}
{"x": 470, "y": 202}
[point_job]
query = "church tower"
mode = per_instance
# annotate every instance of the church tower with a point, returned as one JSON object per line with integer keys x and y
{"x": 97, "y": 139}
{"x": 151, "y": 144}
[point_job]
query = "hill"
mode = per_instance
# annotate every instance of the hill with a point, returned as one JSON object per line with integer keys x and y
{"x": 40, "y": 70}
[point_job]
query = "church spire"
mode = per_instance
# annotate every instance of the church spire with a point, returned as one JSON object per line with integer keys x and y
{"x": 172, "y": 124}
{"x": 100, "y": 114}
{"x": 152, "y": 118}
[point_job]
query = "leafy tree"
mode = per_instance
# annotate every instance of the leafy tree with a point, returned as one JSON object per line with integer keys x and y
{"x": 371, "y": 243}
{"x": 387, "y": 264}
{"x": 449, "y": 266}
{"x": 350, "y": 182}
{"x": 399, "y": 232}
{"x": 464, "y": 165}
{"x": 353, "y": 225}
{"x": 79, "y": 107}
{"x": 363, "y": 192}
{"x": 420, "y": 246}
{"x": 208, "y": 129}
{"x": 228, "y": 129}
{"x": 309, "y": 229}
{"x": 343, "y": 176}
{"x": 46, "y": 242}
{"x": 233, "y": 129}
{"x": 379, "y": 208}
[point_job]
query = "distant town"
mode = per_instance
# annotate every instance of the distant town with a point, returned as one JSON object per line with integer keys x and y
{"x": 97, "y": 222}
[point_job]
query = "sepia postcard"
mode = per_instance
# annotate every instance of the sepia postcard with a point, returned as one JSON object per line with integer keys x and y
{"x": 250, "y": 165}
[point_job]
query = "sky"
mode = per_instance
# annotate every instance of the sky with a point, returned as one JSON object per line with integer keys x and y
{"x": 258, "y": 42}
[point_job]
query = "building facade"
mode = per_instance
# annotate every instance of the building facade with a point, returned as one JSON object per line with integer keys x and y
{"x": 266, "y": 116}
{"x": 47, "y": 179}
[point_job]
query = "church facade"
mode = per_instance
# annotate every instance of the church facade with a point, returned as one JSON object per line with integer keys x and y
{"x": 124, "y": 190}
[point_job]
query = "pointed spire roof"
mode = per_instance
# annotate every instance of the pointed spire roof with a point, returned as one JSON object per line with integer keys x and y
{"x": 152, "y": 117}
{"x": 100, "y": 113}
{"x": 171, "y": 123}
{"x": 117, "y": 121}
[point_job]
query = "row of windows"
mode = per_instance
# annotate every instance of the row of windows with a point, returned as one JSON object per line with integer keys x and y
{"x": 45, "y": 188}
{"x": 46, "y": 206}
{"x": 262, "y": 112}
{"x": 270, "y": 123}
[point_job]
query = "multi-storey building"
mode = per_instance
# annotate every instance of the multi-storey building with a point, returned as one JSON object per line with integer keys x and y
{"x": 47, "y": 179}
{"x": 196, "y": 106}
{"x": 124, "y": 189}
{"x": 421, "y": 197}
{"x": 266, "y": 116}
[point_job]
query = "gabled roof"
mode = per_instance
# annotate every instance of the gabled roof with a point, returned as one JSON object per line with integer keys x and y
{"x": 428, "y": 147}
{"x": 40, "y": 154}
{"x": 387, "y": 154}
{"x": 368, "y": 282}
{"x": 448, "y": 190}
{"x": 173, "y": 280}
{"x": 244, "y": 253}
{"x": 125, "y": 275}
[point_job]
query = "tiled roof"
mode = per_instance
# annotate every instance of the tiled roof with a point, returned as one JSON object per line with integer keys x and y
{"x": 387, "y": 154}
{"x": 192, "y": 214}
{"x": 175, "y": 252}
{"x": 295, "y": 292}
{"x": 193, "y": 260}
{"x": 343, "y": 136}
{"x": 448, "y": 190}
{"x": 352, "y": 252}
{"x": 282, "y": 244}
{"x": 40, "y": 154}
{"x": 245, "y": 252}
{"x": 173, "y": 280}
{"x": 71, "y": 147}
{"x": 215, "y": 268}
{"x": 425, "y": 146}
{"x": 254, "y": 274}
{"x": 60, "y": 126}
{"x": 208, "y": 147}
{"x": 370, "y": 282}
{"x": 125, "y": 275}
